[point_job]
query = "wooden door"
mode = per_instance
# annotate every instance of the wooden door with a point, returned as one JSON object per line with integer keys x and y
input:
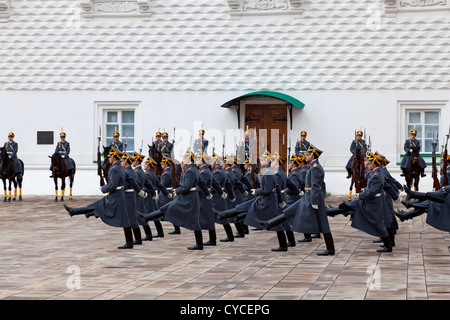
{"x": 266, "y": 119}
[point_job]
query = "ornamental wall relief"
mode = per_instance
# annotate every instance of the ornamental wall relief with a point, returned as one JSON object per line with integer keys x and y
{"x": 263, "y": 7}
{"x": 113, "y": 8}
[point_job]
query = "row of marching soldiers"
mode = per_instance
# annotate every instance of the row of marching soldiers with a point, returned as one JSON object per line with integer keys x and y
{"x": 213, "y": 190}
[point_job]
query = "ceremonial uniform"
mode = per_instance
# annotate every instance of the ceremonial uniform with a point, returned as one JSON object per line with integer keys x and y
{"x": 356, "y": 146}
{"x": 441, "y": 180}
{"x": 184, "y": 210}
{"x": 166, "y": 149}
{"x": 132, "y": 188}
{"x": 112, "y": 208}
{"x": 151, "y": 203}
{"x": 200, "y": 145}
{"x": 63, "y": 148}
{"x": 408, "y": 147}
{"x": 12, "y": 148}
{"x": 302, "y": 145}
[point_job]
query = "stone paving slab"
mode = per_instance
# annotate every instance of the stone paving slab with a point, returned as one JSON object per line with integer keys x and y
{"x": 40, "y": 244}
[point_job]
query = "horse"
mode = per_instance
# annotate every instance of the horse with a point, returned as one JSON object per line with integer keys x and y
{"x": 7, "y": 173}
{"x": 412, "y": 172}
{"x": 59, "y": 170}
{"x": 357, "y": 175}
{"x": 157, "y": 156}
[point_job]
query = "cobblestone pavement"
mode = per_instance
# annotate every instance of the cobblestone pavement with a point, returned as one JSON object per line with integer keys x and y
{"x": 44, "y": 252}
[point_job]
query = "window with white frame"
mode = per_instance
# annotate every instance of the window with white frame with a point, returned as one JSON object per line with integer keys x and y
{"x": 426, "y": 122}
{"x": 121, "y": 120}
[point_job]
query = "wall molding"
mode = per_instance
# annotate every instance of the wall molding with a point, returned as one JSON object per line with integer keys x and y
{"x": 4, "y": 10}
{"x": 113, "y": 8}
{"x": 392, "y": 7}
{"x": 264, "y": 7}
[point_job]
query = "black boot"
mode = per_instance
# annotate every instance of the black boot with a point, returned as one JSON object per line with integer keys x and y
{"x": 212, "y": 238}
{"x": 437, "y": 196}
{"x": 77, "y": 211}
{"x": 307, "y": 238}
{"x": 332, "y": 212}
{"x": 137, "y": 236}
{"x": 421, "y": 196}
{"x": 269, "y": 224}
{"x": 151, "y": 216}
{"x": 229, "y": 232}
{"x": 291, "y": 238}
{"x": 128, "y": 239}
{"x": 329, "y": 251}
{"x": 199, "y": 241}
{"x": 404, "y": 215}
{"x": 379, "y": 240}
{"x": 244, "y": 226}
{"x": 159, "y": 230}
{"x": 387, "y": 245}
{"x": 403, "y": 173}
{"x": 240, "y": 231}
{"x": 230, "y": 213}
{"x": 176, "y": 230}
{"x": 281, "y": 242}
{"x": 148, "y": 233}
{"x": 315, "y": 236}
{"x": 241, "y": 217}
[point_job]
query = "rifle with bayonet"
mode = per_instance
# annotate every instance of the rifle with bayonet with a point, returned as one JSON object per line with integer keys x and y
{"x": 436, "y": 184}
{"x": 99, "y": 160}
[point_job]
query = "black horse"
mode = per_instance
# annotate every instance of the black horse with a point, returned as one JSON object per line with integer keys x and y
{"x": 413, "y": 169}
{"x": 59, "y": 170}
{"x": 7, "y": 173}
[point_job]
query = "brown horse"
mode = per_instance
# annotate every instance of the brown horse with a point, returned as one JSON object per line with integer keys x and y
{"x": 59, "y": 170}
{"x": 358, "y": 180}
{"x": 7, "y": 173}
{"x": 412, "y": 172}
{"x": 157, "y": 156}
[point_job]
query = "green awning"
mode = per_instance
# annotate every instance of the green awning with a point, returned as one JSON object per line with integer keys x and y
{"x": 271, "y": 94}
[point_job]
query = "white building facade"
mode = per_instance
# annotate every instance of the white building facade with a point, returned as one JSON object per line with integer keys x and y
{"x": 89, "y": 67}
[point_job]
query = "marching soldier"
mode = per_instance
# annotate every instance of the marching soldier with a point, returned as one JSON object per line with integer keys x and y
{"x": 166, "y": 147}
{"x": 132, "y": 188}
{"x": 294, "y": 180}
{"x": 303, "y": 144}
{"x": 184, "y": 210}
{"x": 249, "y": 145}
{"x": 207, "y": 218}
{"x": 239, "y": 191}
{"x": 411, "y": 144}
{"x": 311, "y": 217}
{"x": 12, "y": 148}
{"x": 248, "y": 178}
{"x": 368, "y": 210}
{"x": 149, "y": 166}
{"x": 167, "y": 181}
{"x": 200, "y": 144}
{"x": 220, "y": 202}
{"x": 357, "y": 145}
{"x": 112, "y": 208}
{"x": 116, "y": 143}
{"x": 63, "y": 148}
{"x": 140, "y": 202}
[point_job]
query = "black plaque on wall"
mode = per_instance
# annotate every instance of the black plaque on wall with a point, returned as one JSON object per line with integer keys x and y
{"x": 45, "y": 137}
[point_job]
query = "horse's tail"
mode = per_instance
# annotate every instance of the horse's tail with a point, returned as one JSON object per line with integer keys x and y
{"x": 23, "y": 167}
{"x": 74, "y": 166}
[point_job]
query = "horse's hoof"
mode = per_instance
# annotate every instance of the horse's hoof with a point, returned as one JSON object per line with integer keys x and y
{"x": 9, "y": 199}
{"x": 14, "y": 199}
{"x": 20, "y": 198}
{"x": 5, "y": 200}
{"x": 62, "y": 200}
{"x": 56, "y": 199}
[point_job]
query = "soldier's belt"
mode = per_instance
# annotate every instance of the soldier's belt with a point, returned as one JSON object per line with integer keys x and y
{"x": 120, "y": 188}
{"x": 193, "y": 189}
{"x": 169, "y": 189}
{"x": 129, "y": 190}
{"x": 378, "y": 195}
{"x": 309, "y": 189}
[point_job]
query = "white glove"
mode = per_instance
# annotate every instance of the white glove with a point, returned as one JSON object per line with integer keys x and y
{"x": 410, "y": 150}
{"x": 143, "y": 194}
{"x": 170, "y": 195}
{"x": 253, "y": 190}
{"x": 155, "y": 197}
{"x": 282, "y": 204}
{"x": 233, "y": 200}
{"x": 224, "y": 195}
{"x": 245, "y": 193}
{"x": 301, "y": 193}
{"x": 315, "y": 206}
{"x": 209, "y": 196}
